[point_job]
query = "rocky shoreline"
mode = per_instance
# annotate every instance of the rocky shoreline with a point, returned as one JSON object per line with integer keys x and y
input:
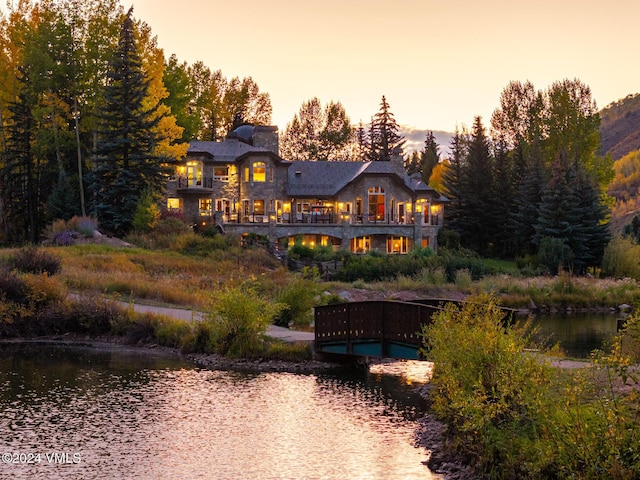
{"x": 431, "y": 435}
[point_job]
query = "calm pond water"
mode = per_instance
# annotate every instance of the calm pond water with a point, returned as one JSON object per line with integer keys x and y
{"x": 84, "y": 413}
{"x": 577, "y": 334}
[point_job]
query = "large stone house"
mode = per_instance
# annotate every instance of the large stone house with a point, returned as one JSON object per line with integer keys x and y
{"x": 245, "y": 187}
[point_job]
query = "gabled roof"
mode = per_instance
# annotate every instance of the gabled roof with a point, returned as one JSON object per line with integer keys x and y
{"x": 326, "y": 179}
{"x": 224, "y": 152}
{"x": 321, "y": 179}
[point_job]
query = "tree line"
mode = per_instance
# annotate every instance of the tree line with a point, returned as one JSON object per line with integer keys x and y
{"x": 92, "y": 115}
{"x": 536, "y": 186}
{"x": 326, "y": 134}
{"x": 92, "y": 118}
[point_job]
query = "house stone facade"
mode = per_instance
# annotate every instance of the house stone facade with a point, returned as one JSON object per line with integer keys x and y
{"x": 245, "y": 187}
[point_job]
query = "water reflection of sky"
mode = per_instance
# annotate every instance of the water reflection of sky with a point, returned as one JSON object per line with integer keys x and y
{"x": 176, "y": 421}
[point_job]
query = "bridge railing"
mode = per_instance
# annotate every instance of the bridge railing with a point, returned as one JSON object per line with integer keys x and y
{"x": 383, "y": 322}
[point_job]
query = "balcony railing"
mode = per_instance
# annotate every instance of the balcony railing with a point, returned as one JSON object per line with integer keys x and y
{"x": 325, "y": 218}
{"x": 184, "y": 182}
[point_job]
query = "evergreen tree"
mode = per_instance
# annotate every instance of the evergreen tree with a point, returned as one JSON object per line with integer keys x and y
{"x": 527, "y": 204}
{"x": 572, "y": 214}
{"x": 362, "y": 143}
{"x": 63, "y": 202}
{"x": 592, "y": 223}
{"x": 451, "y": 181}
{"x": 412, "y": 163}
{"x": 477, "y": 216}
{"x": 126, "y": 165}
{"x": 19, "y": 173}
{"x": 383, "y": 134}
{"x": 430, "y": 157}
{"x": 504, "y": 206}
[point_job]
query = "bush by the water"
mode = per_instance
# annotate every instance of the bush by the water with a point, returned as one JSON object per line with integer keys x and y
{"x": 297, "y": 297}
{"x": 513, "y": 416}
{"x": 238, "y": 320}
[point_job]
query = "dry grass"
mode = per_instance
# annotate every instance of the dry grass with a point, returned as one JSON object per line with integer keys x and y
{"x": 158, "y": 276}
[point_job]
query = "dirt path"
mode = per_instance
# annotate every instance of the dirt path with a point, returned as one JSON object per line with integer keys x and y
{"x": 192, "y": 315}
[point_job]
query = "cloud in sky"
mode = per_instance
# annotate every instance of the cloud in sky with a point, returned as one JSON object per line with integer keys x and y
{"x": 414, "y": 139}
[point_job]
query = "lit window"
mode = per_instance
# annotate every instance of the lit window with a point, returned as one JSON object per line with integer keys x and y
{"x": 259, "y": 172}
{"x": 221, "y": 173}
{"x": 376, "y": 204}
{"x": 360, "y": 244}
{"x": 258, "y": 207}
{"x": 205, "y": 206}
{"x": 396, "y": 244}
{"x": 194, "y": 174}
{"x": 174, "y": 204}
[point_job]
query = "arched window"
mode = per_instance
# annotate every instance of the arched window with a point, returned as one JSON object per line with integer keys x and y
{"x": 259, "y": 172}
{"x": 376, "y": 204}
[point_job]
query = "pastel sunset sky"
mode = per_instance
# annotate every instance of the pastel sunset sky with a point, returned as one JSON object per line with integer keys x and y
{"x": 439, "y": 63}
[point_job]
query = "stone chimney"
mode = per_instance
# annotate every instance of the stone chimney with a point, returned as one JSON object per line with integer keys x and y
{"x": 266, "y": 137}
{"x": 397, "y": 162}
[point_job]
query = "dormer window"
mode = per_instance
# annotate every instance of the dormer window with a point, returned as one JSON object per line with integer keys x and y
{"x": 259, "y": 172}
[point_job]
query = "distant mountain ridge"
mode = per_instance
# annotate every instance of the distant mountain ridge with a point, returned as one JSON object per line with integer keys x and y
{"x": 620, "y": 127}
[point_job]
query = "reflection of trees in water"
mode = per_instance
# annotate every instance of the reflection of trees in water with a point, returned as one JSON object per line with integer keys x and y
{"x": 42, "y": 369}
{"x": 577, "y": 334}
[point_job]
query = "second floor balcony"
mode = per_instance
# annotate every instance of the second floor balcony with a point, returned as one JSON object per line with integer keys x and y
{"x": 185, "y": 183}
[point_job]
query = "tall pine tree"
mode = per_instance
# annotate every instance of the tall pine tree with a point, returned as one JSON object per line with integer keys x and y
{"x": 573, "y": 217}
{"x": 19, "y": 172}
{"x": 477, "y": 216}
{"x": 383, "y": 134}
{"x": 126, "y": 165}
{"x": 429, "y": 157}
{"x": 451, "y": 181}
{"x": 527, "y": 203}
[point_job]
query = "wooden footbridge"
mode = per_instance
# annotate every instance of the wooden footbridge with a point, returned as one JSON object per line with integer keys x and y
{"x": 388, "y": 329}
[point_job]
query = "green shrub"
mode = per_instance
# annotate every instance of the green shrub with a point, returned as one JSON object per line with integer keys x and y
{"x": 300, "y": 252}
{"x": 35, "y": 260}
{"x": 147, "y": 213}
{"x": 288, "y": 351}
{"x": 297, "y": 298}
{"x": 238, "y": 320}
{"x": 487, "y": 392}
{"x": 171, "y": 226}
{"x": 463, "y": 278}
{"x": 622, "y": 259}
{"x": 553, "y": 254}
{"x": 449, "y": 239}
{"x": 188, "y": 336}
{"x": 453, "y": 261}
{"x": 421, "y": 252}
{"x": 197, "y": 245}
{"x": 513, "y": 418}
